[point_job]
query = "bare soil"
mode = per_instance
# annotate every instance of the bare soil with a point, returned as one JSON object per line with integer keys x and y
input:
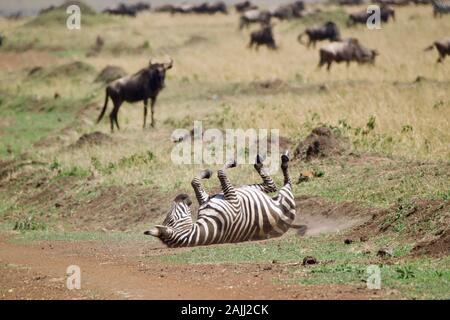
{"x": 132, "y": 271}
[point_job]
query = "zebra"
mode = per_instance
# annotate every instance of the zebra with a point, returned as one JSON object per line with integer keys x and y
{"x": 239, "y": 214}
{"x": 440, "y": 7}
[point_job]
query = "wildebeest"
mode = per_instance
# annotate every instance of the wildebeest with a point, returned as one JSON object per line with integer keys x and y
{"x": 442, "y": 46}
{"x": 254, "y": 16}
{"x": 145, "y": 84}
{"x": 393, "y": 2}
{"x": 264, "y": 36}
{"x": 244, "y": 6}
{"x": 183, "y": 8}
{"x": 362, "y": 16}
{"x": 347, "y": 50}
{"x": 349, "y": 2}
{"x": 127, "y": 9}
{"x": 440, "y": 8}
{"x": 164, "y": 8}
{"x": 289, "y": 11}
{"x": 1, "y": 40}
{"x": 329, "y": 31}
{"x": 217, "y": 7}
{"x": 210, "y": 8}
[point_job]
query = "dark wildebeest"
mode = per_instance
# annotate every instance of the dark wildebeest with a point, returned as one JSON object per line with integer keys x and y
{"x": 121, "y": 9}
{"x": 183, "y": 8}
{"x": 393, "y": 2}
{"x": 264, "y": 36}
{"x": 442, "y": 46}
{"x": 145, "y": 84}
{"x": 329, "y": 31}
{"x": 216, "y": 7}
{"x": 128, "y": 9}
{"x": 349, "y": 2}
{"x": 362, "y": 16}
{"x": 289, "y": 11}
{"x": 244, "y": 6}
{"x": 210, "y": 8}
{"x": 1, "y": 40}
{"x": 440, "y": 8}
{"x": 347, "y": 50}
{"x": 254, "y": 16}
{"x": 164, "y": 8}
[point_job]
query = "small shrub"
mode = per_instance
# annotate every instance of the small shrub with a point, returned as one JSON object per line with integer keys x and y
{"x": 29, "y": 224}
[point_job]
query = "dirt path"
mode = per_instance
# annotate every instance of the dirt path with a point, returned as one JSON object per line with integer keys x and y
{"x": 126, "y": 271}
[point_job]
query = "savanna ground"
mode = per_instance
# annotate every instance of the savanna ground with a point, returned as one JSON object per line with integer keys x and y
{"x": 66, "y": 201}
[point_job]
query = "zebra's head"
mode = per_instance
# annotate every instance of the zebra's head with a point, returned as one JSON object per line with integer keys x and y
{"x": 177, "y": 219}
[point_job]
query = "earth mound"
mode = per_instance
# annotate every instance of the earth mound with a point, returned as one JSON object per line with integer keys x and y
{"x": 110, "y": 73}
{"x": 94, "y": 138}
{"x": 321, "y": 143}
{"x": 73, "y": 70}
{"x": 427, "y": 222}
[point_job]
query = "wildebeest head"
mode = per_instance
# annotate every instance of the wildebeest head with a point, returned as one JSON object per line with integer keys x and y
{"x": 157, "y": 73}
{"x": 333, "y": 30}
{"x": 387, "y": 12}
{"x": 361, "y": 53}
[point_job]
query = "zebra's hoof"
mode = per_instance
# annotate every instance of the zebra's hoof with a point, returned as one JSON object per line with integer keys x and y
{"x": 259, "y": 159}
{"x": 206, "y": 174}
{"x": 230, "y": 164}
{"x": 285, "y": 157}
{"x": 259, "y": 162}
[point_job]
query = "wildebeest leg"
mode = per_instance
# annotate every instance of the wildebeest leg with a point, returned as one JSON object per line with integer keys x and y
{"x": 200, "y": 193}
{"x": 441, "y": 52}
{"x": 145, "y": 112}
{"x": 268, "y": 184}
{"x": 229, "y": 192}
{"x": 328, "y": 65}
{"x": 113, "y": 114}
{"x": 152, "y": 110}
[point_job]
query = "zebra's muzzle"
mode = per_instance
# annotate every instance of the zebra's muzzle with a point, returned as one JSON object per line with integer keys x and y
{"x": 153, "y": 232}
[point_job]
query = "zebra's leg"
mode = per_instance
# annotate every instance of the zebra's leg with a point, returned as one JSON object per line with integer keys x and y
{"x": 284, "y": 167}
{"x": 228, "y": 190}
{"x": 285, "y": 195}
{"x": 200, "y": 193}
{"x": 268, "y": 184}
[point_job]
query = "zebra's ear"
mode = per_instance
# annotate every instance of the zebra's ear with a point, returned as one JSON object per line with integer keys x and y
{"x": 183, "y": 198}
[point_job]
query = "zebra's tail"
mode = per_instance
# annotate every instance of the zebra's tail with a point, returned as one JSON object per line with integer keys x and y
{"x": 300, "y": 227}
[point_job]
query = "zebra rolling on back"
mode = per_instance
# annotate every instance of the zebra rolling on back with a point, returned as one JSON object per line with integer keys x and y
{"x": 440, "y": 7}
{"x": 238, "y": 214}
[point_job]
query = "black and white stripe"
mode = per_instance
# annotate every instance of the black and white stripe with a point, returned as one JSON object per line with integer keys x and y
{"x": 236, "y": 215}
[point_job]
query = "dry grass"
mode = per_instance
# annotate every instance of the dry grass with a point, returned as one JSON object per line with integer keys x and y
{"x": 213, "y": 65}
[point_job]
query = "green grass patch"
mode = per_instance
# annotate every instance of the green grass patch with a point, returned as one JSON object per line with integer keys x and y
{"x": 379, "y": 184}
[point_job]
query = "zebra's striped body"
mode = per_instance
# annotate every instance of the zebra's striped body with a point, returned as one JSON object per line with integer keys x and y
{"x": 236, "y": 215}
{"x": 440, "y": 7}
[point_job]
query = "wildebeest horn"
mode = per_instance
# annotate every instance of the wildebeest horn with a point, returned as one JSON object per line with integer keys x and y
{"x": 169, "y": 64}
{"x": 150, "y": 62}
